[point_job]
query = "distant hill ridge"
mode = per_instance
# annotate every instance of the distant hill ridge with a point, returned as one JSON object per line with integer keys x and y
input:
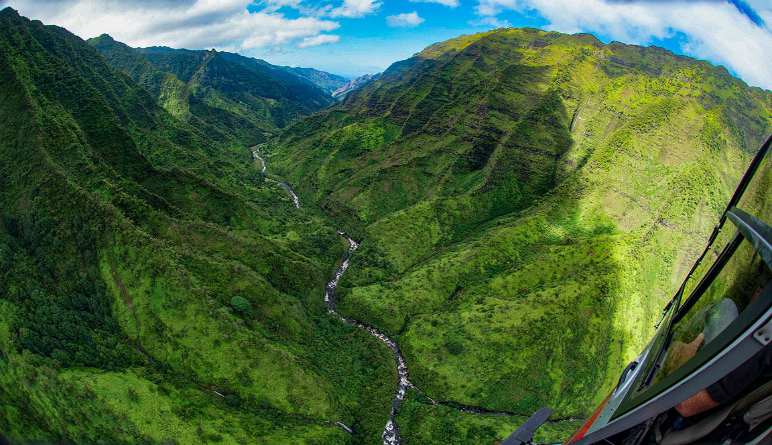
{"x": 354, "y": 84}
{"x": 225, "y": 94}
{"x": 324, "y": 80}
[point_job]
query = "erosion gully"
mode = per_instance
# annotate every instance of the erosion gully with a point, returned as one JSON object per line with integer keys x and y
{"x": 391, "y": 430}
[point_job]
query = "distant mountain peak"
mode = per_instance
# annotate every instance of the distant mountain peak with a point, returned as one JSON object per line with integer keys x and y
{"x": 327, "y": 81}
{"x": 9, "y": 12}
{"x": 354, "y": 84}
{"x": 231, "y": 96}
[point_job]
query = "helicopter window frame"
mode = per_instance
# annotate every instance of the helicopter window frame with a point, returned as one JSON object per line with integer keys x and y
{"x": 749, "y": 229}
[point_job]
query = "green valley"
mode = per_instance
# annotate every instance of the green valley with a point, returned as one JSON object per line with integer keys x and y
{"x": 148, "y": 293}
{"x": 528, "y": 202}
{"x": 521, "y": 204}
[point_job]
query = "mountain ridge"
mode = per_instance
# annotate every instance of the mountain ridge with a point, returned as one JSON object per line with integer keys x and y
{"x": 510, "y": 184}
{"x": 329, "y": 82}
{"x": 232, "y": 96}
{"x": 524, "y": 203}
{"x": 153, "y": 286}
{"x": 354, "y": 84}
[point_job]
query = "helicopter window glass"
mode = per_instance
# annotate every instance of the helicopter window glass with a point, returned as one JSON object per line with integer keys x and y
{"x": 723, "y": 239}
{"x": 754, "y": 201}
{"x": 739, "y": 282}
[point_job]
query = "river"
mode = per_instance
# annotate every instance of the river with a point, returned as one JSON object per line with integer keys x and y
{"x": 263, "y": 167}
{"x": 391, "y": 430}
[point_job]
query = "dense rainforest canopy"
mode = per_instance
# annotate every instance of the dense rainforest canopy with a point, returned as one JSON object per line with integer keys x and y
{"x": 525, "y": 201}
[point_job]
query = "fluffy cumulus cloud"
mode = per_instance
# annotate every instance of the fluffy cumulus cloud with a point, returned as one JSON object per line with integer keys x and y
{"x": 719, "y": 31}
{"x": 221, "y": 24}
{"x": 404, "y": 20}
{"x": 321, "y": 39}
{"x": 448, "y": 3}
{"x": 355, "y": 8}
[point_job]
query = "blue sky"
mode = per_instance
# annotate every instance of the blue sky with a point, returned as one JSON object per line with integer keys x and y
{"x": 354, "y": 37}
{"x": 369, "y": 44}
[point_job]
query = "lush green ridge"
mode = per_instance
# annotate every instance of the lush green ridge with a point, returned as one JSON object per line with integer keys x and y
{"x": 226, "y": 95}
{"x": 153, "y": 289}
{"x": 528, "y": 201}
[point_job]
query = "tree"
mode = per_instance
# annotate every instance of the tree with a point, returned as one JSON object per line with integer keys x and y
{"x": 240, "y": 304}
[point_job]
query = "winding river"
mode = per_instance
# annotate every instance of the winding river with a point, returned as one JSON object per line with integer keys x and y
{"x": 391, "y": 430}
{"x": 263, "y": 167}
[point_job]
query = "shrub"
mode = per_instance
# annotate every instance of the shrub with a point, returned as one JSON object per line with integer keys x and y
{"x": 240, "y": 304}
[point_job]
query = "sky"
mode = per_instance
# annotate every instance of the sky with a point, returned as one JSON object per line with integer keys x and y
{"x": 354, "y": 37}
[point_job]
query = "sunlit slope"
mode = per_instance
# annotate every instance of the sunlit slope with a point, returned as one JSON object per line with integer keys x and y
{"x": 528, "y": 201}
{"x": 152, "y": 288}
{"x": 224, "y": 94}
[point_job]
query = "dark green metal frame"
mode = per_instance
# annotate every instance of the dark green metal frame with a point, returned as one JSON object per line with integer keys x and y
{"x": 735, "y": 345}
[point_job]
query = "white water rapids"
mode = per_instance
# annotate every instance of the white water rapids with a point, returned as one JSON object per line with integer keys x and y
{"x": 263, "y": 167}
{"x": 391, "y": 430}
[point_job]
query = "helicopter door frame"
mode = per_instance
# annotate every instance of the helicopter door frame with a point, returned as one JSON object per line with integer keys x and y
{"x": 738, "y": 351}
{"x": 740, "y": 341}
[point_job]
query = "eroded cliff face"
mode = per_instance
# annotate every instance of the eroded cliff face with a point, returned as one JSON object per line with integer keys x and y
{"x": 527, "y": 202}
{"x": 226, "y": 95}
{"x": 524, "y": 202}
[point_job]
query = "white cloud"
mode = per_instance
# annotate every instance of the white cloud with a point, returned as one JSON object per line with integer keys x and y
{"x": 494, "y": 7}
{"x": 490, "y": 21}
{"x": 715, "y": 31}
{"x": 321, "y": 39}
{"x": 221, "y": 24}
{"x": 325, "y": 8}
{"x": 355, "y": 8}
{"x": 275, "y": 5}
{"x": 448, "y": 3}
{"x": 404, "y": 20}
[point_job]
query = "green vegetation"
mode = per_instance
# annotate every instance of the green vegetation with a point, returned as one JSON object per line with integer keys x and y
{"x": 153, "y": 289}
{"x": 225, "y": 95}
{"x": 528, "y": 201}
{"x": 422, "y": 422}
{"x": 326, "y": 81}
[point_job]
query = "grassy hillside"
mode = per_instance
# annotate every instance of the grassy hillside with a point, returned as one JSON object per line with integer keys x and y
{"x": 153, "y": 288}
{"x": 527, "y": 201}
{"x": 226, "y": 95}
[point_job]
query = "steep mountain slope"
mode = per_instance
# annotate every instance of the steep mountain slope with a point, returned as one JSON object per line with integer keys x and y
{"x": 527, "y": 202}
{"x": 153, "y": 288}
{"x": 354, "y": 84}
{"x": 223, "y": 94}
{"x": 324, "y": 80}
